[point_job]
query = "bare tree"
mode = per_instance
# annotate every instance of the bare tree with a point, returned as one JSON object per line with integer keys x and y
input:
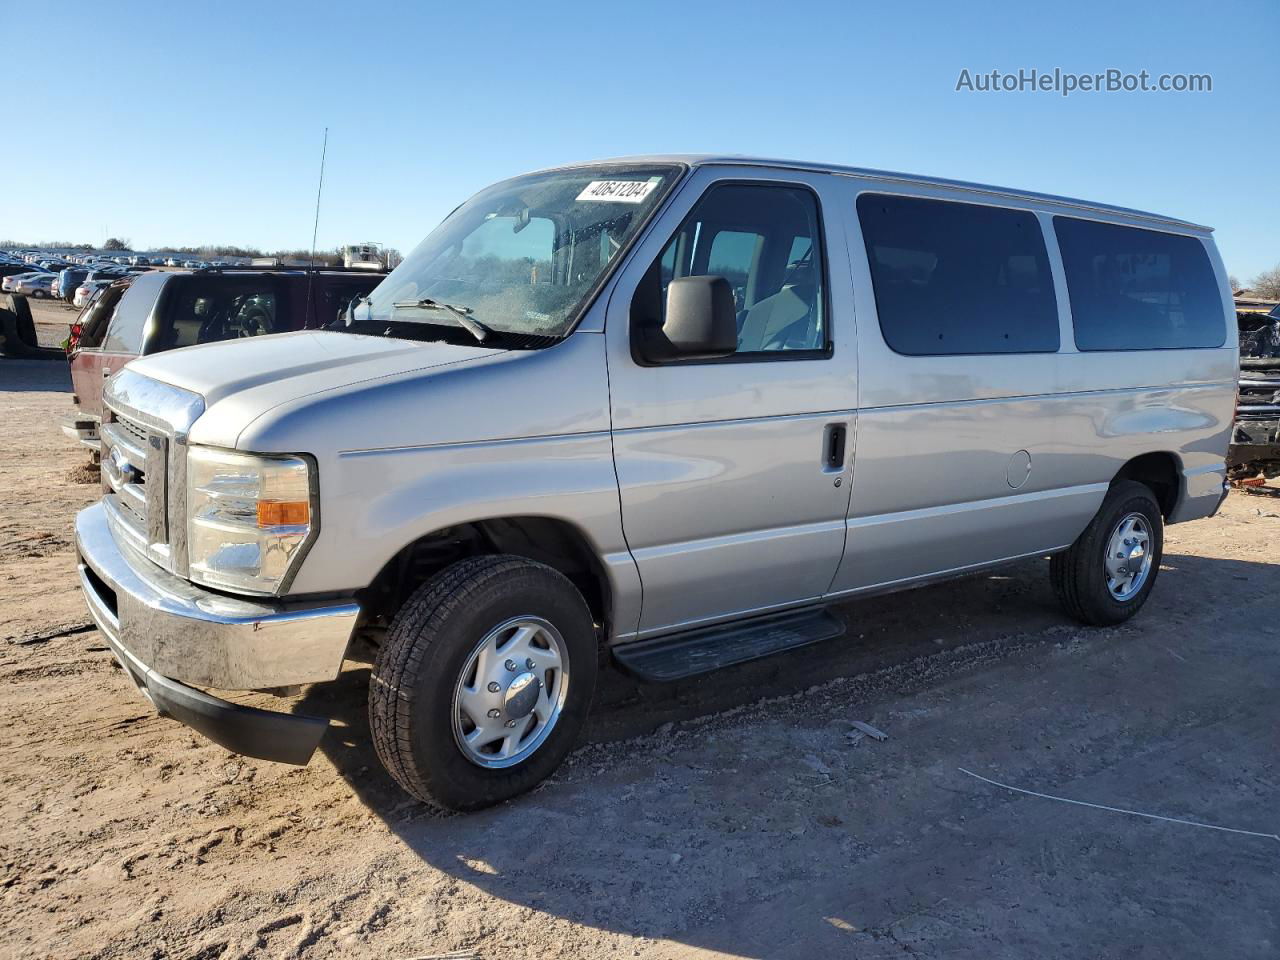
{"x": 115, "y": 243}
{"x": 1267, "y": 283}
{"x": 1234, "y": 283}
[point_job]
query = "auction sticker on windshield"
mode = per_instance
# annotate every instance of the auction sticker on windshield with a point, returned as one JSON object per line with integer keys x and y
{"x": 617, "y": 191}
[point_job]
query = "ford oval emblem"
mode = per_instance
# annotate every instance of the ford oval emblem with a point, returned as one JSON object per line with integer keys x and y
{"x": 123, "y": 466}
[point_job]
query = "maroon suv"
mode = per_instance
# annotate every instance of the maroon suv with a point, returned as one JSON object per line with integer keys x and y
{"x": 156, "y": 311}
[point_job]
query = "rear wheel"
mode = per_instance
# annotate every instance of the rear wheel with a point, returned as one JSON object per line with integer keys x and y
{"x": 1105, "y": 577}
{"x": 484, "y": 682}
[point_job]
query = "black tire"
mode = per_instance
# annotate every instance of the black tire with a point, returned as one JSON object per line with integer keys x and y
{"x": 429, "y": 643}
{"x": 1079, "y": 573}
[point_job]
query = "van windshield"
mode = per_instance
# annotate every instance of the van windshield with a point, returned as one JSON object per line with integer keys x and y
{"x": 521, "y": 257}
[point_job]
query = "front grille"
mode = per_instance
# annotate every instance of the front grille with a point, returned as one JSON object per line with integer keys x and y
{"x": 145, "y": 424}
{"x": 135, "y": 431}
{"x": 133, "y": 474}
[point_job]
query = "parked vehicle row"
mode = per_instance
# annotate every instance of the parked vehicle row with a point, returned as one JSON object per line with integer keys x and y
{"x": 31, "y": 270}
{"x": 60, "y": 279}
{"x": 618, "y": 409}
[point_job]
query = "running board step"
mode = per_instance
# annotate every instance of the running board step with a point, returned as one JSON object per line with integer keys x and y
{"x": 710, "y": 648}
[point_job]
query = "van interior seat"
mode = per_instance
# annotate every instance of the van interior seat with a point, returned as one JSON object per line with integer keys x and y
{"x": 772, "y": 315}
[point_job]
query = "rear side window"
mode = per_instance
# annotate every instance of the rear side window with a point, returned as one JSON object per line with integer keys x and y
{"x": 204, "y": 310}
{"x": 1137, "y": 289}
{"x": 129, "y": 322}
{"x": 958, "y": 278}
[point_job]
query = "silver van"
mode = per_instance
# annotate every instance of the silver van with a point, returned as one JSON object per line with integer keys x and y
{"x": 664, "y": 410}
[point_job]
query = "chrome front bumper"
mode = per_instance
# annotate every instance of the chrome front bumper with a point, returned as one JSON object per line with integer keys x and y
{"x": 171, "y": 636}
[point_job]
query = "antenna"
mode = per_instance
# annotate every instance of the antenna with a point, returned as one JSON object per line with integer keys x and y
{"x": 315, "y": 228}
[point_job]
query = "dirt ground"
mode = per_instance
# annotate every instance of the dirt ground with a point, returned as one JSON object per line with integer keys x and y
{"x": 732, "y": 816}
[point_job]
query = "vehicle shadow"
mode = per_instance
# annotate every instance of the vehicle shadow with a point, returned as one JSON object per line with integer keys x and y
{"x": 608, "y": 793}
{"x": 34, "y": 376}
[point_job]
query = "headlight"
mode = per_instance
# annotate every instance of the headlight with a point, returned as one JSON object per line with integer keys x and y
{"x": 248, "y": 518}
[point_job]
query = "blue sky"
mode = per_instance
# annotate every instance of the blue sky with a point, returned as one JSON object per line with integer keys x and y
{"x": 187, "y": 124}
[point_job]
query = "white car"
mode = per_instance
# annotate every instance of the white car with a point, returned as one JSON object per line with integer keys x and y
{"x": 86, "y": 290}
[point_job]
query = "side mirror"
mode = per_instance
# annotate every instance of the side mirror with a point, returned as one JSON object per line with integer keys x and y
{"x": 701, "y": 322}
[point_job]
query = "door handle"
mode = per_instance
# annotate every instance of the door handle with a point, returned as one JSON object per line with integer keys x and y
{"x": 833, "y": 446}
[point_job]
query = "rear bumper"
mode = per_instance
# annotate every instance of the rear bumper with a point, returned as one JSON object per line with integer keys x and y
{"x": 82, "y": 428}
{"x": 170, "y": 635}
{"x": 1203, "y": 491}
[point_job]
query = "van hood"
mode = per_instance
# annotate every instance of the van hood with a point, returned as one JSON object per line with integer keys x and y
{"x": 241, "y": 381}
{"x": 296, "y": 364}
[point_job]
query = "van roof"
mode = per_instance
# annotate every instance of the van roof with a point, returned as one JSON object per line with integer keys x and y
{"x": 697, "y": 160}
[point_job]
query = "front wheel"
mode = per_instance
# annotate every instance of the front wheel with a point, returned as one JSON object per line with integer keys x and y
{"x": 1105, "y": 577}
{"x": 484, "y": 682}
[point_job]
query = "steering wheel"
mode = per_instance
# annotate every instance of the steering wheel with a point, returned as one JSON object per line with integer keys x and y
{"x": 254, "y": 324}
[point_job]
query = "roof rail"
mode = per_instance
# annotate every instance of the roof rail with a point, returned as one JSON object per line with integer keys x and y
{"x": 288, "y": 268}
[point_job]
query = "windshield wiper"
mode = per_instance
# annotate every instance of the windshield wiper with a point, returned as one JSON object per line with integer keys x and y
{"x": 461, "y": 314}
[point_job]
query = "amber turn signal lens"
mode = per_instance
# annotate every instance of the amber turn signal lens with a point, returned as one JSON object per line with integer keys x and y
{"x": 283, "y": 513}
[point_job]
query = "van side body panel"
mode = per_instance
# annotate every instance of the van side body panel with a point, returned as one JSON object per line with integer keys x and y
{"x": 940, "y": 483}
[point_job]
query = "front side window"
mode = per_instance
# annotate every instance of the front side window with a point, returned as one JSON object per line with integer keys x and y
{"x": 330, "y": 299}
{"x": 520, "y": 258}
{"x": 958, "y": 278}
{"x": 1135, "y": 289}
{"x": 764, "y": 239}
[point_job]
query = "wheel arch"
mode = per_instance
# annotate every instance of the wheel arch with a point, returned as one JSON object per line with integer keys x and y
{"x": 1161, "y": 472}
{"x": 554, "y": 541}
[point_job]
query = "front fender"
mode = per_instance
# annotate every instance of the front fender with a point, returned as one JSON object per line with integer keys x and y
{"x": 374, "y": 503}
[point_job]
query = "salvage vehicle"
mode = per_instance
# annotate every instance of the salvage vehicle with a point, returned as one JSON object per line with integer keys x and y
{"x": 662, "y": 410}
{"x": 1255, "y": 438}
{"x": 154, "y": 311}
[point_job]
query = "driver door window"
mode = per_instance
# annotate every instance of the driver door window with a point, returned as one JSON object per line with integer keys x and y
{"x": 765, "y": 241}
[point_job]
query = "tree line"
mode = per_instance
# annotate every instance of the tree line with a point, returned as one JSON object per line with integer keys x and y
{"x": 207, "y": 251}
